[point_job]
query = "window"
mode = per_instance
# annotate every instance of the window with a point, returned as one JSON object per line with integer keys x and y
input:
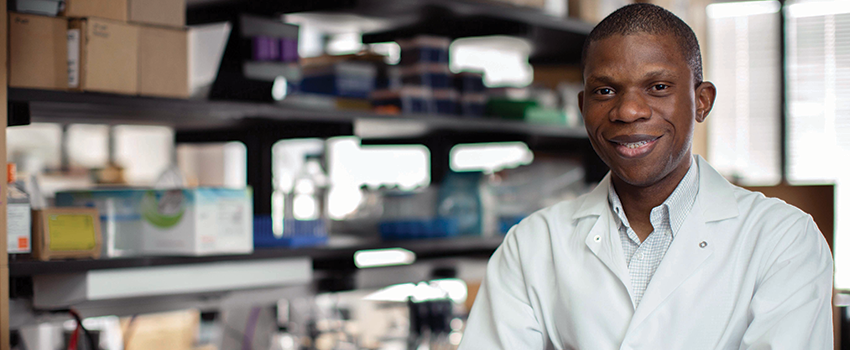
{"x": 818, "y": 123}
{"x": 818, "y": 51}
{"x": 744, "y": 64}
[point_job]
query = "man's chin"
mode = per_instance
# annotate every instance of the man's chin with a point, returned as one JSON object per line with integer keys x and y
{"x": 639, "y": 180}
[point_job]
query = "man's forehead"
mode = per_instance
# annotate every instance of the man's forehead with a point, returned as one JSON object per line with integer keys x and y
{"x": 620, "y": 41}
{"x": 653, "y": 53}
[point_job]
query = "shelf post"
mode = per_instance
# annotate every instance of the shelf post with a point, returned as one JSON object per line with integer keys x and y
{"x": 4, "y": 256}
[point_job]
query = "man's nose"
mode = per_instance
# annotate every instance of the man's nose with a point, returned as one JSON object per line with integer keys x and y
{"x": 631, "y": 107}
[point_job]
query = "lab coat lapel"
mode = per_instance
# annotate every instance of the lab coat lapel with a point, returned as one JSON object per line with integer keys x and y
{"x": 684, "y": 257}
{"x": 599, "y": 239}
{"x": 715, "y": 202}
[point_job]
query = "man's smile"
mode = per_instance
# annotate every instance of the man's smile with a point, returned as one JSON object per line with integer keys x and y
{"x": 635, "y": 145}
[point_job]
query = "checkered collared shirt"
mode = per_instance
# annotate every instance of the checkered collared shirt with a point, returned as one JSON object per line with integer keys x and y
{"x": 644, "y": 257}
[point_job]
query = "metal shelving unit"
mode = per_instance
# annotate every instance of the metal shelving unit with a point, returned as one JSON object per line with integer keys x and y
{"x": 260, "y": 124}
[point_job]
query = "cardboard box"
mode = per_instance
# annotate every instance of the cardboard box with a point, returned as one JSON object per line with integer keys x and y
{"x": 108, "y": 9}
{"x": 38, "y": 52}
{"x": 171, "y": 13}
{"x": 61, "y": 233}
{"x": 173, "y": 330}
{"x": 103, "y": 56}
{"x": 120, "y": 221}
{"x": 163, "y": 62}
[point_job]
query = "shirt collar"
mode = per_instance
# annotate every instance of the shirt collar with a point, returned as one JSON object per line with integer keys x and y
{"x": 678, "y": 204}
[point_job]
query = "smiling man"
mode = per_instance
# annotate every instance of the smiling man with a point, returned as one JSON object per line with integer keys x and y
{"x": 664, "y": 253}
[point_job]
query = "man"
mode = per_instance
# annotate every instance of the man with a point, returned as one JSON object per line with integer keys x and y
{"x": 664, "y": 253}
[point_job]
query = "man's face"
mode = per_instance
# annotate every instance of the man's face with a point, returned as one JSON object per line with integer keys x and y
{"x": 640, "y": 106}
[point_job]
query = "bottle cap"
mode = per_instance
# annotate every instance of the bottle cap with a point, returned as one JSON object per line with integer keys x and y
{"x": 11, "y": 170}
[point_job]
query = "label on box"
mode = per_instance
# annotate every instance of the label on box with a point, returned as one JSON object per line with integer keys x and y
{"x": 73, "y": 58}
{"x": 18, "y": 221}
{"x": 231, "y": 217}
{"x": 71, "y": 232}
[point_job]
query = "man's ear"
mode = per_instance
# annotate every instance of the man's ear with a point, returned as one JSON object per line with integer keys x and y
{"x": 706, "y": 93}
{"x": 581, "y": 102}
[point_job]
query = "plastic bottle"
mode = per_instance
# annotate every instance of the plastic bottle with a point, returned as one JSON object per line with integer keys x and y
{"x": 18, "y": 214}
{"x": 307, "y": 205}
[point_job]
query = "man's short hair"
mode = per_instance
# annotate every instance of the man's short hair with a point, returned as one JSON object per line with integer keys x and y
{"x": 649, "y": 19}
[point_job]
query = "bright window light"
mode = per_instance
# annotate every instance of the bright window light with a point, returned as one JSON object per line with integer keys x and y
{"x": 351, "y": 166}
{"x": 143, "y": 165}
{"x": 391, "y": 50}
{"x": 817, "y": 8}
{"x": 88, "y": 145}
{"x": 383, "y": 257}
{"x": 456, "y": 288}
{"x": 397, "y": 293}
{"x": 345, "y": 43}
{"x": 744, "y": 129}
{"x": 504, "y": 60}
{"x": 490, "y": 157}
{"x": 34, "y": 147}
{"x": 425, "y": 292}
{"x": 742, "y": 9}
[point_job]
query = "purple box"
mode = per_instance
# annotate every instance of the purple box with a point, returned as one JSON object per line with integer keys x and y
{"x": 265, "y": 48}
{"x": 289, "y": 50}
{"x": 260, "y": 48}
{"x": 274, "y": 49}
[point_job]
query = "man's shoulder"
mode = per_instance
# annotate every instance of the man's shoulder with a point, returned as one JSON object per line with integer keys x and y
{"x": 754, "y": 206}
{"x": 775, "y": 225}
{"x": 557, "y": 218}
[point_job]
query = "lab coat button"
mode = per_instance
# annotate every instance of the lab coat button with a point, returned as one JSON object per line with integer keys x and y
{"x": 597, "y": 238}
{"x": 703, "y": 244}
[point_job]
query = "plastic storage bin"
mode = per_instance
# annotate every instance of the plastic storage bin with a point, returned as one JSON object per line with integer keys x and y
{"x": 418, "y": 228}
{"x": 307, "y": 234}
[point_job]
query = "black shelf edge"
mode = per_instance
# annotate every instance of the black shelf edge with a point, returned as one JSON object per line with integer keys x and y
{"x": 333, "y": 256}
{"x": 195, "y": 115}
{"x": 556, "y": 40}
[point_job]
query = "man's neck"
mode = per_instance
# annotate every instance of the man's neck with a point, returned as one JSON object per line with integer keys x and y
{"x": 638, "y": 202}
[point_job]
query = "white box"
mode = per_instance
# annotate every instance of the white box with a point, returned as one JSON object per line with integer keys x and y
{"x": 203, "y": 221}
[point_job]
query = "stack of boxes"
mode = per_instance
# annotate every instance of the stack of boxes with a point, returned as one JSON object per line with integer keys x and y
{"x": 473, "y": 93}
{"x": 423, "y": 83}
{"x": 132, "y": 47}
{"x": 422, "y": 76}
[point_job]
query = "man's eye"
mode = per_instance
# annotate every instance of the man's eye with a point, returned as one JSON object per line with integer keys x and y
{"x": 604, "y": 91}
{"x": 659, "y": 87}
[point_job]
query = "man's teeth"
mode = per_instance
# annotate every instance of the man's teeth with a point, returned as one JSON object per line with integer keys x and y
{"x": 635, "y": 144}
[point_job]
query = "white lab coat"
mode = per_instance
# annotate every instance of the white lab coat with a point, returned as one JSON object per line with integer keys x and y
{"x": 762, "y": 280}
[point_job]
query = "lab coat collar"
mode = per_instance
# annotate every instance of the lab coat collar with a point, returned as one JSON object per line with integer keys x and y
{"x": 596, "y": 202}
{"x": 718, "y": 197}
{"x": 720, "y": 205}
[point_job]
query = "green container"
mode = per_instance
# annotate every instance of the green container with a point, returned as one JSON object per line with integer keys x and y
{"x": 509, "y": 109}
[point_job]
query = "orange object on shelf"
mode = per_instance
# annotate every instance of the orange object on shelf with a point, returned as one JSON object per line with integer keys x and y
{"x": 11, "y": 172}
